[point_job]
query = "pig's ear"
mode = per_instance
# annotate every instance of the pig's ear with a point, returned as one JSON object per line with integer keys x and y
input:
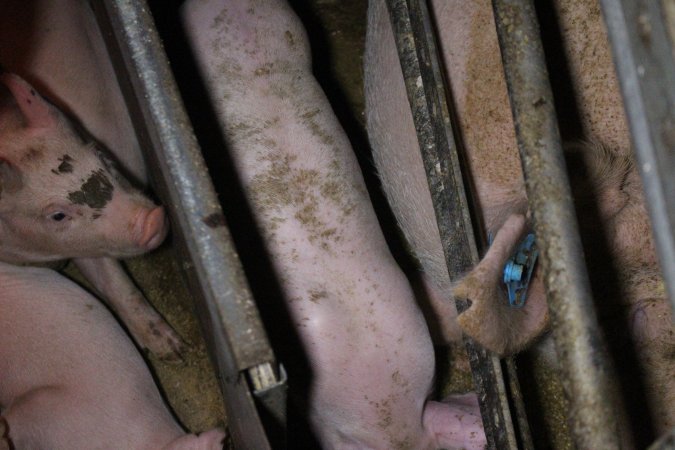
{"x": 10, "y": 178}
{"x": 35, "y": 109}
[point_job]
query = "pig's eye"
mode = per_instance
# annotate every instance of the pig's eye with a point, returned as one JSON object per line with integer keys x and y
{"x": 59, "y": 213}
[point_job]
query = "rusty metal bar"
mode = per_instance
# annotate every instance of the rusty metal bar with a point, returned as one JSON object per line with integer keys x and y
{"x": 236, "y": 339}
{"x": 416, "y": 46}
{"x": 586, "y": 373}
{"x": 642, "y": 35}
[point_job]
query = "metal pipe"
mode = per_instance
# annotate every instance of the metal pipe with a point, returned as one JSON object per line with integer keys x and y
{"x": 586, "y": 376}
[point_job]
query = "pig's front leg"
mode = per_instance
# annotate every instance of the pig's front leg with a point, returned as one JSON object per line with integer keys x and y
{"x": 145, "y": 324}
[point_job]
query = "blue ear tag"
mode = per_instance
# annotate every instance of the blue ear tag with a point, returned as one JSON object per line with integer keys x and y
{"x": 518, "y": 271}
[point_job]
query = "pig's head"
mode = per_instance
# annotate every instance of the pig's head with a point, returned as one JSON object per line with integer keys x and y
{"x": 61, "y": 195}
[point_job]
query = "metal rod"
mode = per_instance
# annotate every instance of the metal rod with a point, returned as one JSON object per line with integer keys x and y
{"x": 231, "y": 325}
{"x": 586, "y": 376}
{"x": 642, "y": 35}
{"x": 416, "y": 46}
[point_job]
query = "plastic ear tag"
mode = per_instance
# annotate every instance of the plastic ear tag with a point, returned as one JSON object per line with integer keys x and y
{"x": 518, "y": 271}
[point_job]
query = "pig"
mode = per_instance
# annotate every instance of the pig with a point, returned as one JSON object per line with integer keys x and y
{"x": 70, "y": 378}
{"x": 62, "y": 196}
{"x": 368, "y": 346}
{"x": 58, "y": 47}
{"x": 470, "y": 53}
{"x": 81, "y": 207}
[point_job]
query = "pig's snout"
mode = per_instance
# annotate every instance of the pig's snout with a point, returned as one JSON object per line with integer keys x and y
{"x": 151, "y": 227}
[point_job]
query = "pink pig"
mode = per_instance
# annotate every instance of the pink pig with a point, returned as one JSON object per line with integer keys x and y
{"x": 70, "y": 378}
{"x": 62, "y": 196}
{"x": 369, "y": 349}
{"x": 59, "y": 48}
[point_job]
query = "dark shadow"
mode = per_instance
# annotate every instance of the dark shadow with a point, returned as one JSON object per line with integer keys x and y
{"x": 566, "y": 107}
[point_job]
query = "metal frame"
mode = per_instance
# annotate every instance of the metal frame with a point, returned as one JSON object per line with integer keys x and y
{"x": 235, "y": 337}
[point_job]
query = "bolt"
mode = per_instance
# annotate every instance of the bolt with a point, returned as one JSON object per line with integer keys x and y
{"x": 512, "y": 272}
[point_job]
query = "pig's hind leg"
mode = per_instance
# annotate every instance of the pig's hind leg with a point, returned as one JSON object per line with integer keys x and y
{"x": 145, "y": 324}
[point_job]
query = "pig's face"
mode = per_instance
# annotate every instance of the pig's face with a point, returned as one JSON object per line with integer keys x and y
{"x": 61, "y": 196}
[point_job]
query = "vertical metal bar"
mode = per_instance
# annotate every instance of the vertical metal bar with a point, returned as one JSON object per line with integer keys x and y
{"x": 232, "y": 328}
{"x": 643, "y": 56}
{"x": 586, "y": 376}
{"x": 416, "y": 46}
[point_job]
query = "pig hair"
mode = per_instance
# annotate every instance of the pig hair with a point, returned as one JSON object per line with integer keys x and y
{"x": 605, "y": 166}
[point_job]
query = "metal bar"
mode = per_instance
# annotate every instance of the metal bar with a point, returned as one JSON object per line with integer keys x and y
{"x": 416, "y": 46}
{"x": 235, "y": 337}
{"x": 587, "y": 380}
{"x": 642, "y": 52}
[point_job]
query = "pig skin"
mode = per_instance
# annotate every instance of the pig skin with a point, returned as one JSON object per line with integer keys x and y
{"x": 365, "y": 338}
{"x": 70, "y": 378}
{"x": 58, "y": 48}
